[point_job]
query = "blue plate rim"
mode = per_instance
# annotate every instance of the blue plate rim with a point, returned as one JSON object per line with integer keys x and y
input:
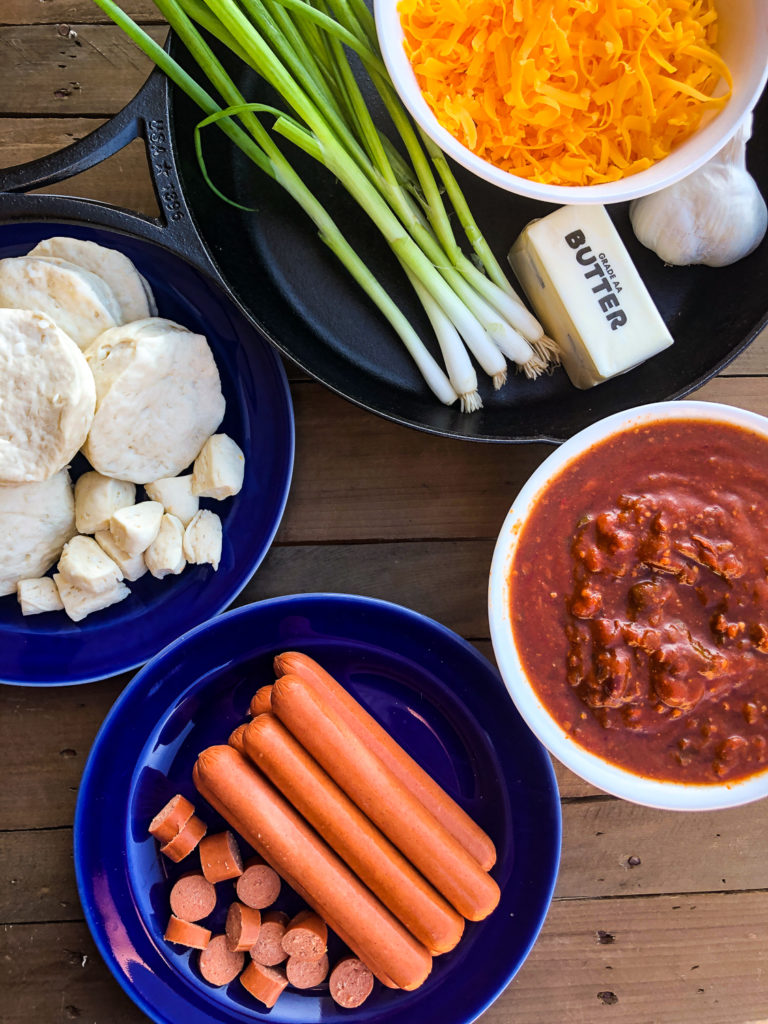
{"x": 113, "y": 715}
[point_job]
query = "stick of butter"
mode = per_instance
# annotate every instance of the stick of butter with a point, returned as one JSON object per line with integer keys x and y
{"x": 586, "y": 292}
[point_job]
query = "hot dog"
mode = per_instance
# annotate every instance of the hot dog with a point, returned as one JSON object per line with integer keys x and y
{"x": 220, "y": 857}
{"x": 168, "y": 822}
{"x": 350, "y": 983}
{"x": 277, "y": 832}
{"x": 218, "y": 964}
{"x": 193, "y": 897}
{"x": 236, "y": 738}
{"x": 242, "y": 927}
{"x": 306, "y": 937}
{"x": 306, "y": 973}
{"x": 378, "y": 740}
{"x": 261, "y": 701}
{"x": 265, "y": 983}
{"x": 384, "y": 799}
{"x": 186, "y": 840}
{"x": 268, "y": 948}
{"x": 259, "y": 884}
{"x": 347, "y": 830}
{"x": 185, "y": 933}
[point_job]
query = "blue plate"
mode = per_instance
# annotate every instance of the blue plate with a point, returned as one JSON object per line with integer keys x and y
{"x": 48, "y": 650}
{"x": 434, "y": 692}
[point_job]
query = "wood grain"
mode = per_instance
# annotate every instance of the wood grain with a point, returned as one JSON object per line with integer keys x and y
{"x": 45, "y": 735}
{"x": 367, "y": 478}
{"x": 46, "y": 12}
{"x": 651, "y": 960}
{"x": 661, "y": 960}
{"x": 91, "y": 69}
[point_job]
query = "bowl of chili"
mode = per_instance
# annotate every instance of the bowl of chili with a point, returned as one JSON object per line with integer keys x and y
{"x": 566, "y": 102}
{"x": 628, "y": 605}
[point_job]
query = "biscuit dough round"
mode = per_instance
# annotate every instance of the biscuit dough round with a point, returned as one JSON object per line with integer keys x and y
{"x": 77, "y": 301}
{"x": 158, "y": 399}
{"x": 132, "y": 292}
{"x": 36, "y": 521}
{"x": 47, "y": 397}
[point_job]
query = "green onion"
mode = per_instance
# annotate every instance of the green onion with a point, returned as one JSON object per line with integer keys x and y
{"x": 300, "y": 47}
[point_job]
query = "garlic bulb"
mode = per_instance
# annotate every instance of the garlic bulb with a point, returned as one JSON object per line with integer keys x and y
{"x": 715, "y": 216}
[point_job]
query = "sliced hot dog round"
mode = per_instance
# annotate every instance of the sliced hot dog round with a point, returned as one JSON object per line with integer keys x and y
{"x": 218, "y": 964}
{"x": 306, "y": 973}
{"x": 184, "y": 933}
{"x": 220, "y": 857}
{"x": 306, "y": 937}
{"x": 252, "y": 805}
{"x": 259, "y": 884}
{"x": 350, "y": 983}
{"x": 268, "y": 948}
{"x": 242, "y": 927}
{"x": 193, "y": 897}
{"x": 380, "y": 795}
{"x": 372, "y": 857}
{"x": 453, "y": 817}
{"x": 265, "y": 983}
{"x": 236, "y": 738}
{"x": 168, "y": 822}
{"x": 261, "y": 701}
{"x": 185, "y": 842}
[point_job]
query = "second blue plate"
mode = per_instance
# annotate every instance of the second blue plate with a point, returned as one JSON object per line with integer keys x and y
{"x": 432, "y": 691}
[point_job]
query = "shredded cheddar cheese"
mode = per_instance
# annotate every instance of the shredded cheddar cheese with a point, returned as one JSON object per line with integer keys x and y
{"x": 567, "y": 92}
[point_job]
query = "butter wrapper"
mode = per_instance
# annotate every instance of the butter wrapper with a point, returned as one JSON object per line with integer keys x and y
{"x": 587, "y": 293}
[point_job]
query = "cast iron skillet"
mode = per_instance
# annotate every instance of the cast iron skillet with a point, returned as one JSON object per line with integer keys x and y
{"x": 289, "y": 284}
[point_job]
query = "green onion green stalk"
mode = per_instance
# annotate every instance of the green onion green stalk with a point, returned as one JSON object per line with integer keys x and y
{"x": 301, "y": 48}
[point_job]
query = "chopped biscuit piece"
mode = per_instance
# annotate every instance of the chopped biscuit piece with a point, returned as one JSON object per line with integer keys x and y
{"x": 38, "y": 596}
{"x": 83, "y": 564}
{"x": 134, "y": 528}
{"x": 97, "y": 497}
{"x": 202, "y": 539}
{"x": 175, "y": 495}
{"x": 219, "y": 468}
{"x": 164, "y": 555}
{"x": 133, "y": 567}
{"x": 79, "y": 603}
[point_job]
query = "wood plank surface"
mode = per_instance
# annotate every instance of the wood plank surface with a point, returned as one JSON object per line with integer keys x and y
{"x": 46, "y": 12}
{"x": 90, "y": 69}
{"x": 658, "y": 960}
{"x": 658, "y": 918}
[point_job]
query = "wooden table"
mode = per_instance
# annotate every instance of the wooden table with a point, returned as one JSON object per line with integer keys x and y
{"x": 658, "y": 918}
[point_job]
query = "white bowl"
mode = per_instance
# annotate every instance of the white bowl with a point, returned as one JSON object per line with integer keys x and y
{"x": 601, "y": 773}
{"x": 743, "y": 43}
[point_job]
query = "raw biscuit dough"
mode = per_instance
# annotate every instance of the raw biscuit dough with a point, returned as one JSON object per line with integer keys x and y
{"x": 132, "y": 292}
{"x": 47, "y": 397}
{"x": 78, "y": 301}
{"x": 158, "y": 398}
{"x": 36, "y": 521}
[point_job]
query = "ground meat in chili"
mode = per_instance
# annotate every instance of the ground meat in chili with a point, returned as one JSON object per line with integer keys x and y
{"x": 640, "y": 600}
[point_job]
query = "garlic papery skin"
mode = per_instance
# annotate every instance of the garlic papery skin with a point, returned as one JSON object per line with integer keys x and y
{"x": 715, "y": 216}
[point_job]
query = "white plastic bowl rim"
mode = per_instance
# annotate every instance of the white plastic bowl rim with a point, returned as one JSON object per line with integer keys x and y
{"x": 601, "y": 773}
{"x": 744, "y": 46}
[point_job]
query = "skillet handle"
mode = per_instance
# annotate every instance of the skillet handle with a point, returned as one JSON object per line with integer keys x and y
{"x": 146, "y": 117}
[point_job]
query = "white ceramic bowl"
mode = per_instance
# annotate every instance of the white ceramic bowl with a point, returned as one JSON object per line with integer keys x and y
{"x": 596, "y": 770}
{"x": 743, "y": 43}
